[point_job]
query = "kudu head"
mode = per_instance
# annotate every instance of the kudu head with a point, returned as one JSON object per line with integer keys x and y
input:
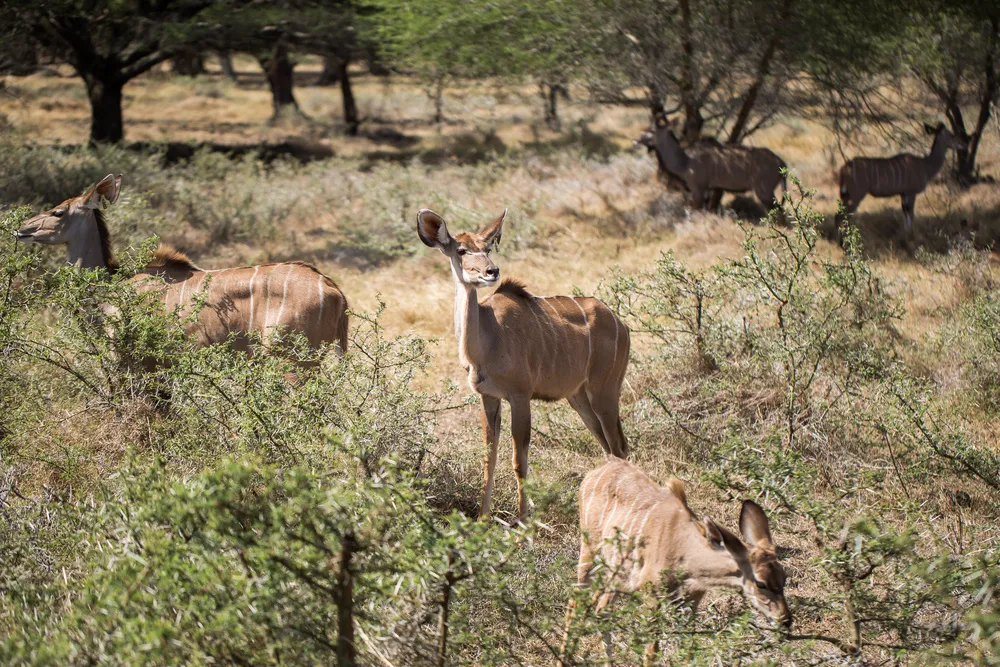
{"x": 761, "y": 576}
{"x": 469, "y": 252}
{"x": 660, "y": 126}
{"x": 941, "y": 133}
{"x": 73, "y": 220}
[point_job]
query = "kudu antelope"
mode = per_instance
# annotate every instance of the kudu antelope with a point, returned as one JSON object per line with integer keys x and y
{"x": 905, "y": 174}
{"x": 661, "y": 541}
{"x": 290, "y": 296}
{"x": 518, "y": 347}
{"x": 709, "y": 165}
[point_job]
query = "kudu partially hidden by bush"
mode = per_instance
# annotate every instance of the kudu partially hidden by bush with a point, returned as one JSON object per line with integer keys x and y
{"x": 290, "y": 296}
{"x": 709, "y": 165}
{"x": 646, "y": 534}
{"x": 905, "y": 174}
{"x": 518, "y": 347}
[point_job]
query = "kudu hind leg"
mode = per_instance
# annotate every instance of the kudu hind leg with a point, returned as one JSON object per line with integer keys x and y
{"x": 907, "y": 202}
{"x": 491, "y": 433}
{"x": 581, "y": 404}
{"x": 606, "y": 408}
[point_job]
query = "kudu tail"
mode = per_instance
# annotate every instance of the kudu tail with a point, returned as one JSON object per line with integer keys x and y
{"x": 621, "y": 438}
{"x": 342, "y": 327}
{"x": 845, "y": 192}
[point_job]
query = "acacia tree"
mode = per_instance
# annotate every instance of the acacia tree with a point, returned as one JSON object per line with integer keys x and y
{"x": 108, "y": 43}
{"x": 275, "y": 32}
{"x": 954, "y": 50}
{"x": 719, "y": 63}
{"x": 444, "y": 40}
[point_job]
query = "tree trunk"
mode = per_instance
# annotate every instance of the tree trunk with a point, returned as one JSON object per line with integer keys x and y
{"x": 106, "y": 126}
{"x": 280, "y": 76}
{"x": 449, "y": 582}
{"x": 344, "y": 594}
{"x": 331, "y": 71}
{"x": 967, "y": 172}
{"x": 693, "y": 121}
{"x": 226, "y": 65}
{"x": 188, "y": 63}
{"x": 347, "y": 93}
{"x": 763, "y": 70}
{"x": 438, "y": 95}
{"x": 550, "y": 99}
{"x": 656, "y": 100}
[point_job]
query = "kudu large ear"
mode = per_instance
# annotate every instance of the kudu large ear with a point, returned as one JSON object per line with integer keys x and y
{"x": 491, "y": 233}
{"x": 108, "y": 188}
{"x": 432, "y": 230}
{"x": 755, "y": 526}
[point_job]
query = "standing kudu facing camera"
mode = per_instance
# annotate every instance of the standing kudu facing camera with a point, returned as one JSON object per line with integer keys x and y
{"x": 518, "y": 347}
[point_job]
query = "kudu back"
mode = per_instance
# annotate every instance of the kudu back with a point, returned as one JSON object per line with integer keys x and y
{"x": 904, "y": 174}
{"x": 269, "y": 298}
{"x": 519, "y": 347}
{"x": 647, "y": 534}
{"x": 708, "y": 165}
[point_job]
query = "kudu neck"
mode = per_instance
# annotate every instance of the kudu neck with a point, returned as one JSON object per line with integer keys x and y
{"x": 714, "y": 567}
{"x": 468, "y": 323}
{"x": 84, "y": 247}
{"x": 672, "y": 157}
{"x": 935, "y": 159}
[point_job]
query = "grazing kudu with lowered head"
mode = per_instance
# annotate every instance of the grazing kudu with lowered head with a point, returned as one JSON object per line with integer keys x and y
{"x": 661, "y": 541}
{"x": 518, "y": 347}
{"x": 708, "y": 165}
{"x": 290, "y": 296}
{"x": 905, "y": 174}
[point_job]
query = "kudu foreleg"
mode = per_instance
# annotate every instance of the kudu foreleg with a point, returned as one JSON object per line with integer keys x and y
{"x": 907, "y": 202}
{"x": 520, "y": 418}
{"x": 491, "y": 433}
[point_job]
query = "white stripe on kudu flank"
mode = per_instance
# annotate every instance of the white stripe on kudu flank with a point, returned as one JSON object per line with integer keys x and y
{"x": 586, "y": 324}
{"x": 585, "y": 512}
{"x": 319, "y": 292}
{"x": 250, "y": 321}
{"x": 180, "y": 299}
{"x": 284, "y": 293}
{"x": 267, "y": 301}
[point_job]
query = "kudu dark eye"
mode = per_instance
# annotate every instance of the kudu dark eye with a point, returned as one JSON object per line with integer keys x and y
{"x": 59, "y": 213}
{"x": 461, "y": 251}
{"x": 761, "y": 585}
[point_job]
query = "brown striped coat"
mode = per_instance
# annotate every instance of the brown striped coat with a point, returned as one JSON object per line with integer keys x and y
{"x": 646, "y": 534}
{"x": 266, "y": 299}
{"x": 708, "y": 165}
{"x": 290, "y": 296}
{"x": 518, "y": 347}
{"x": 905, "y": 174}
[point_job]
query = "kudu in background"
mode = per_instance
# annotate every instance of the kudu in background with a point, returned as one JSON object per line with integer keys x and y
{"x": 905, "y": 174}
{"x": 290, "y": 296}
{"x": 518, "y": 347}
{"x": 709, "y": 165}
{"x": 646, "y": 534}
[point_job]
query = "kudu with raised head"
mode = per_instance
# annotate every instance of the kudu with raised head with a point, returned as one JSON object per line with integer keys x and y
{"x": 290, "y": 296}
{"x": 905, "y": 174}
{"x": 709, "y": 165}
{"x": 647, "y": 534}
{"x": 518, "y": 347}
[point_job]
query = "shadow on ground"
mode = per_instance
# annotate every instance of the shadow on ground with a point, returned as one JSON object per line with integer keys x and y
{"x": 883, "y": 233}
